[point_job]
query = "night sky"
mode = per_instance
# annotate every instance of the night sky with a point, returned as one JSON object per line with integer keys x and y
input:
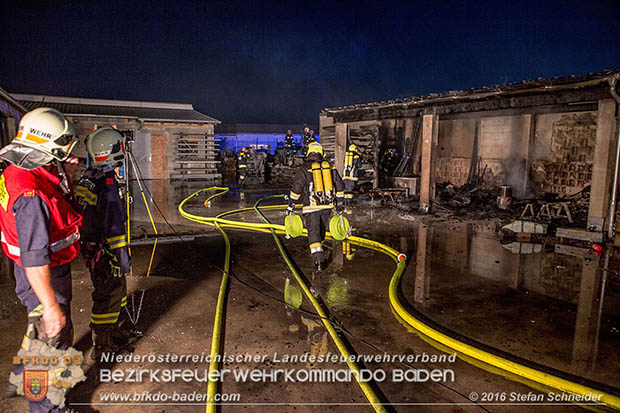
{"x": 281, "y": 62}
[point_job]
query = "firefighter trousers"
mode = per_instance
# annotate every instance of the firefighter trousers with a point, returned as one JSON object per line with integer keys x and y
{"x": 35, "y": 328}
{"x": 317, "y": 224}
{"x": 109, "y": 295}
{"x": 349, "y": 186}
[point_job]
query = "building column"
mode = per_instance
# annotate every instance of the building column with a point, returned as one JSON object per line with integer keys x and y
{"x": 342, "y": 133}
{"x": 338, "y": 255}
{"x": 602, "y": 167}
{"x": 527, "y": 140}
{"x": 430, "y": 129}
{"x": 409, "y": 141}
{"x": 584, "y": 339}
{"x": 422, "y": 284}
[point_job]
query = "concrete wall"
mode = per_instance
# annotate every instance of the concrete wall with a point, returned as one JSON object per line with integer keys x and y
{"x": 560, "y": 139}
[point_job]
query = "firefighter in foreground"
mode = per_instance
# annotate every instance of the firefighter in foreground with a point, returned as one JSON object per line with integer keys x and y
{"x": 104, "y": 242}
{"x": 352, "y": 163}
{"x": 40, "y": 221}
{"x": 318, "y": 186}
{"x": 242, "y": 165}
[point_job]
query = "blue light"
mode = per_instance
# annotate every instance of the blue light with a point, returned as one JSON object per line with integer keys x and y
{"x": 234, "y": 142}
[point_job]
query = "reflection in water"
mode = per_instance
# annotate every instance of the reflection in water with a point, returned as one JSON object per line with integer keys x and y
{"x": 338, "y": 293}
{"x": 548, "y": 307}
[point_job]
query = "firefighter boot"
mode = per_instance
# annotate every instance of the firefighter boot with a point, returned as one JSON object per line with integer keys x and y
{"x": 319, "y": 262}
{"x": 102, "y": 342}
{"x": 124, "y": 332}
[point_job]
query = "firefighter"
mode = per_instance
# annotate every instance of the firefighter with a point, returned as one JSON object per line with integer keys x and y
{"x": 352, "y": 163}
{"x": 242, "y": 165}
{"x": 40, "y": 220}
{"x": 308, "y": 138}
{"x": 104, "y": 242}
{"x": 389, "y": 162}
{"x": 289, "y": 142}
{"x": 318, "y": 186}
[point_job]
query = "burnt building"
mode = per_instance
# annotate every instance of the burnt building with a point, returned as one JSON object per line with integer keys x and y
{"x": 555, "y": 136}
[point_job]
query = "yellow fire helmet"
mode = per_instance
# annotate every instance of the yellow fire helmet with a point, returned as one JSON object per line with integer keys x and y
{"x": 293, "y": 225}
{"x": 353, "y": 148}
{"x": 315, "y": 147}
{"x": 339, "y": 227}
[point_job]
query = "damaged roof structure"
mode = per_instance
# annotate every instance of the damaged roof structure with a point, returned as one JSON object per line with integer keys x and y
{"x": 554, "y": 136}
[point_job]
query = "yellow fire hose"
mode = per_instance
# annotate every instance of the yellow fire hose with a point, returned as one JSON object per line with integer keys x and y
{"x": 372, "y": 397}
{"x": 465, "y": 351}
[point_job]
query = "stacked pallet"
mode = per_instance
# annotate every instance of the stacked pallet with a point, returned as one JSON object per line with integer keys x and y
{"x": 195, "y": 157}
{"x": 284, "y": 169}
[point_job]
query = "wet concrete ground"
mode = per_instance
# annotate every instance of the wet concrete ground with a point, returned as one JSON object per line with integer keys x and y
{"x": 459, "y": 275}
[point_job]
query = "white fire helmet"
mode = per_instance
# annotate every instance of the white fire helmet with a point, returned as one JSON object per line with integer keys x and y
{"x": 44, "y": 135}
{"x": 106, "y": 146}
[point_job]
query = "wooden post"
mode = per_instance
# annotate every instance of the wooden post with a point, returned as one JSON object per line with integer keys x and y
{"x": 587, "y": 314}
{"x": 342, "y": 132}
{"x": 338, "y": 256}
{"x": 527, "y": 141}
{"x": 408, "y": 143}
{"x": 602, "y": 168}
{"x": 422, "y": 283}
{"x": 430, "y": 129}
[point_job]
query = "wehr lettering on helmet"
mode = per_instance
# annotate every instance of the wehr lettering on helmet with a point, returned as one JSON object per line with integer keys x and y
{"x": 40, "y": 133}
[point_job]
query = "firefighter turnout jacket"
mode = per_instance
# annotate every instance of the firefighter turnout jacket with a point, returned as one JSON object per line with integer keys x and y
{"x": 105, "y": 217}
{"x": 64, "y": 217}
{"x": 242, "y": 160}
{"x": 352, "y": 163}
{"x": 317, "y": 185}
{"x": 289, "y": 141}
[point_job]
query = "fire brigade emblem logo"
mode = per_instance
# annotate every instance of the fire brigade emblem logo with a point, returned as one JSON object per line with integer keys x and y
{"x": 35, "y": 384}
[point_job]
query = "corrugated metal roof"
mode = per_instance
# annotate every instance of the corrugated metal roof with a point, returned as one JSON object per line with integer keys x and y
{"x": 539, "y": 85}
{"x": 147, "y": 111}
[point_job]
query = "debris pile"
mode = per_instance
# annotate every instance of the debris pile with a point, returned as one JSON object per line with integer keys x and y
{"x": 284, "y": 168}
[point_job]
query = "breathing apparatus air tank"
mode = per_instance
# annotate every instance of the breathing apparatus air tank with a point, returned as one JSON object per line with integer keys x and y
{"x": 317, "y": 179}
{"x": 328, "y": 185}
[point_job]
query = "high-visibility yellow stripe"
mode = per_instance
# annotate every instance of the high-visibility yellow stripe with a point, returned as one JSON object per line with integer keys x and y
{"x": 110, "y": 321}
{"x": 35, "y": 138}
{"x": 314, "y": 208}
{"x": 293, "y": 195}
{"x": 315, "y": 245}
{"x": 116, "y": 238}
{"x": 119, "y": 245}
{"x": 84, "y": 194}
{"x": 104, "y": 315}
{"x": 86, "y": 190}
{"x": 88, "y": 200}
